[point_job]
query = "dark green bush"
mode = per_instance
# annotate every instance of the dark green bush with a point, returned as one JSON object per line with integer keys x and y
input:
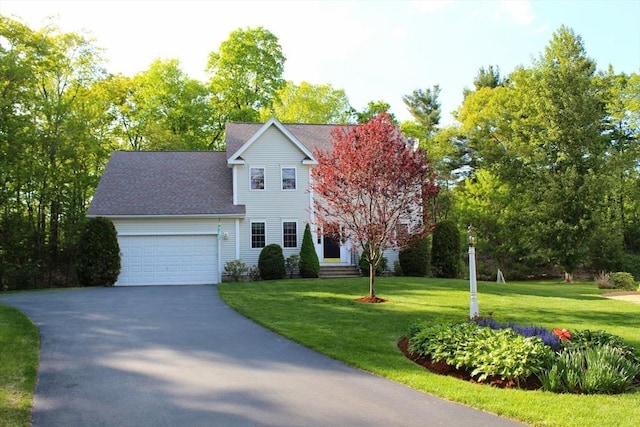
{"x": 98, "y": 260}
{"x": 271, "y": 263}
{"x": 309, "y": 264}
{"x": 445, "y": 250}
{"x": 622, "y": 281}
{"x": 415, "y": 259}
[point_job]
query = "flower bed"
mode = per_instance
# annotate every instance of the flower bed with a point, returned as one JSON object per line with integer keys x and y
{"x": 527, "y": 357}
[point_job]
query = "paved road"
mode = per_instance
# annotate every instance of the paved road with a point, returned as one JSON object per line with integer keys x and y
{"x": 178, "y": 356}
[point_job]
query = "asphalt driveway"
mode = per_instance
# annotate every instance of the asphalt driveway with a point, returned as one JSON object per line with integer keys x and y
{"x": 178, "y": 356}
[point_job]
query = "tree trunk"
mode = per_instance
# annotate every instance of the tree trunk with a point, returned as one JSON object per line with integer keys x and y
{"x": 372, "y": 280}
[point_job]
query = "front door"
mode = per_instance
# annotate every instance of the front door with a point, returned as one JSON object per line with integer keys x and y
{"x": 331, "y": 249}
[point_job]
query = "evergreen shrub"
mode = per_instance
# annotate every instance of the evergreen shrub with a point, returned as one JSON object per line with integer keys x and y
{"x": 271, "y": 263}
{"x": 623, "y": 281}
{"x": 445, "y": 250}
{"x": 98, "y": 260}
{"x": 415, "y": 259}
{"x": 309, "y": 264}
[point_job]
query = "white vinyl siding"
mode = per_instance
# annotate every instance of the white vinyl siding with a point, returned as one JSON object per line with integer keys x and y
{"x": 273, "y": 151}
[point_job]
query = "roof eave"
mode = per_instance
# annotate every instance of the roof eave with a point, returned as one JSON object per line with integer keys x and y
{"x": 161, "y": 216}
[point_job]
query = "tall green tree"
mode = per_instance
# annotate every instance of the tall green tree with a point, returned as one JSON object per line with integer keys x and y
{"x": 424, "y": 106}
{"x": 372, "y": 110}
{"x": 542, "y": 133}
{"x": 246, "y": 75}
{"x": 621, "y": 94}
{"x": 565, "y": 150}
{"x": 485, "y": 78}
{"x": 308, "y": 103}
{"x": 161, "y": 108}
{"x": 50, "y": 147}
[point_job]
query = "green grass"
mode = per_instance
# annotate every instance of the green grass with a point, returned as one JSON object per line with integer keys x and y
{"x": 322, "y": 314}
{"x": 19, "y": 344}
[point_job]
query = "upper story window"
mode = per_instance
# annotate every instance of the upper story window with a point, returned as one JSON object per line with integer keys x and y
{"x": 288, "y": 178}
{"x": 257, "y": 178}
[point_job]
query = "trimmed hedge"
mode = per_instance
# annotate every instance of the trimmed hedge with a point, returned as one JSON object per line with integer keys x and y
{"x": 271, "y": 263}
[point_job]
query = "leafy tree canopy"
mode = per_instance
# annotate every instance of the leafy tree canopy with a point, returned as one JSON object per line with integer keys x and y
{"x": 308, "y": 103}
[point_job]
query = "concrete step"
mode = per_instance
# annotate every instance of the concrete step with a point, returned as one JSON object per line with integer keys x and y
{"x": 338, "y": 271}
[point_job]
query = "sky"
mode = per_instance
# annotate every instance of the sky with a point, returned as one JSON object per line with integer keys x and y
{"x": 375, "y": 50}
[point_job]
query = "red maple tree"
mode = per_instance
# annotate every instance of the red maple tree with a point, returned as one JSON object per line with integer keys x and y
{"x": 371, "y": 187}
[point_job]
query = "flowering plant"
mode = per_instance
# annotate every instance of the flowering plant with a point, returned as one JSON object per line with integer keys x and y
{"x": 563, "y": 334}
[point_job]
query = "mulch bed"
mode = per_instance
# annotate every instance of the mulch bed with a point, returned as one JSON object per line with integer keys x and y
{"x": 442, "y": 368}
{"x": 374, "y": 300}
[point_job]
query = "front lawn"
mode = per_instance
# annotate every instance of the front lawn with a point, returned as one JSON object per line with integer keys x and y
{"x": 322, "y": 314}
{"x": 18, "y": 367}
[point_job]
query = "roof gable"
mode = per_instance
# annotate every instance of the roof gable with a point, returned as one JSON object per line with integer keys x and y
{"x": 235, "y": 157}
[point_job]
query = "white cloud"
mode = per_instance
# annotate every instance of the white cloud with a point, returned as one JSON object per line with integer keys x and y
{"x": 519, "y": 12}
{"x": 429, "y": 6}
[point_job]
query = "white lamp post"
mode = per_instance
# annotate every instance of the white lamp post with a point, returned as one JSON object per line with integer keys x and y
{"x": 474, "y": 311}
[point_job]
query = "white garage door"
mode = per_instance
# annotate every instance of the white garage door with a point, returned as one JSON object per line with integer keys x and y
{"x": 168, "y": 260}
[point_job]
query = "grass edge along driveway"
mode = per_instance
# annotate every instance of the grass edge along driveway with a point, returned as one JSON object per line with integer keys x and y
{"x": 322, "y": 314}
{"x": 19, "y": 352}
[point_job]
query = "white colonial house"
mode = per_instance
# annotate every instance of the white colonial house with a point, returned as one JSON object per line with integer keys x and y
{"x": 180, "y": 216}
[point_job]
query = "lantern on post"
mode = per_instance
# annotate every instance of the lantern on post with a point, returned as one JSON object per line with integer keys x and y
{"x": 474, "y": 311}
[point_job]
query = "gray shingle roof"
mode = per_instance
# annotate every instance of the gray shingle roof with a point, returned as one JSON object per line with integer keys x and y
{"x": 165, "y": 183}
{"x": 183, "y": 182}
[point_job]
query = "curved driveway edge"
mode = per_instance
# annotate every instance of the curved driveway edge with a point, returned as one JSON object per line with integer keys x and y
{"x": 179, "y": 356}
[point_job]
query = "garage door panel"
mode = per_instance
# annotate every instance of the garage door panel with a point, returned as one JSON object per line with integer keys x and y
{"x": 168, "y": 260}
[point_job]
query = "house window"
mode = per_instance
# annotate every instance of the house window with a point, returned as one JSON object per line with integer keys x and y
{"x": 289, "y": 234}
{"x": 288, "y": 178}
{"x": 258, "y": 235}
{"x": 257, "y": 178}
